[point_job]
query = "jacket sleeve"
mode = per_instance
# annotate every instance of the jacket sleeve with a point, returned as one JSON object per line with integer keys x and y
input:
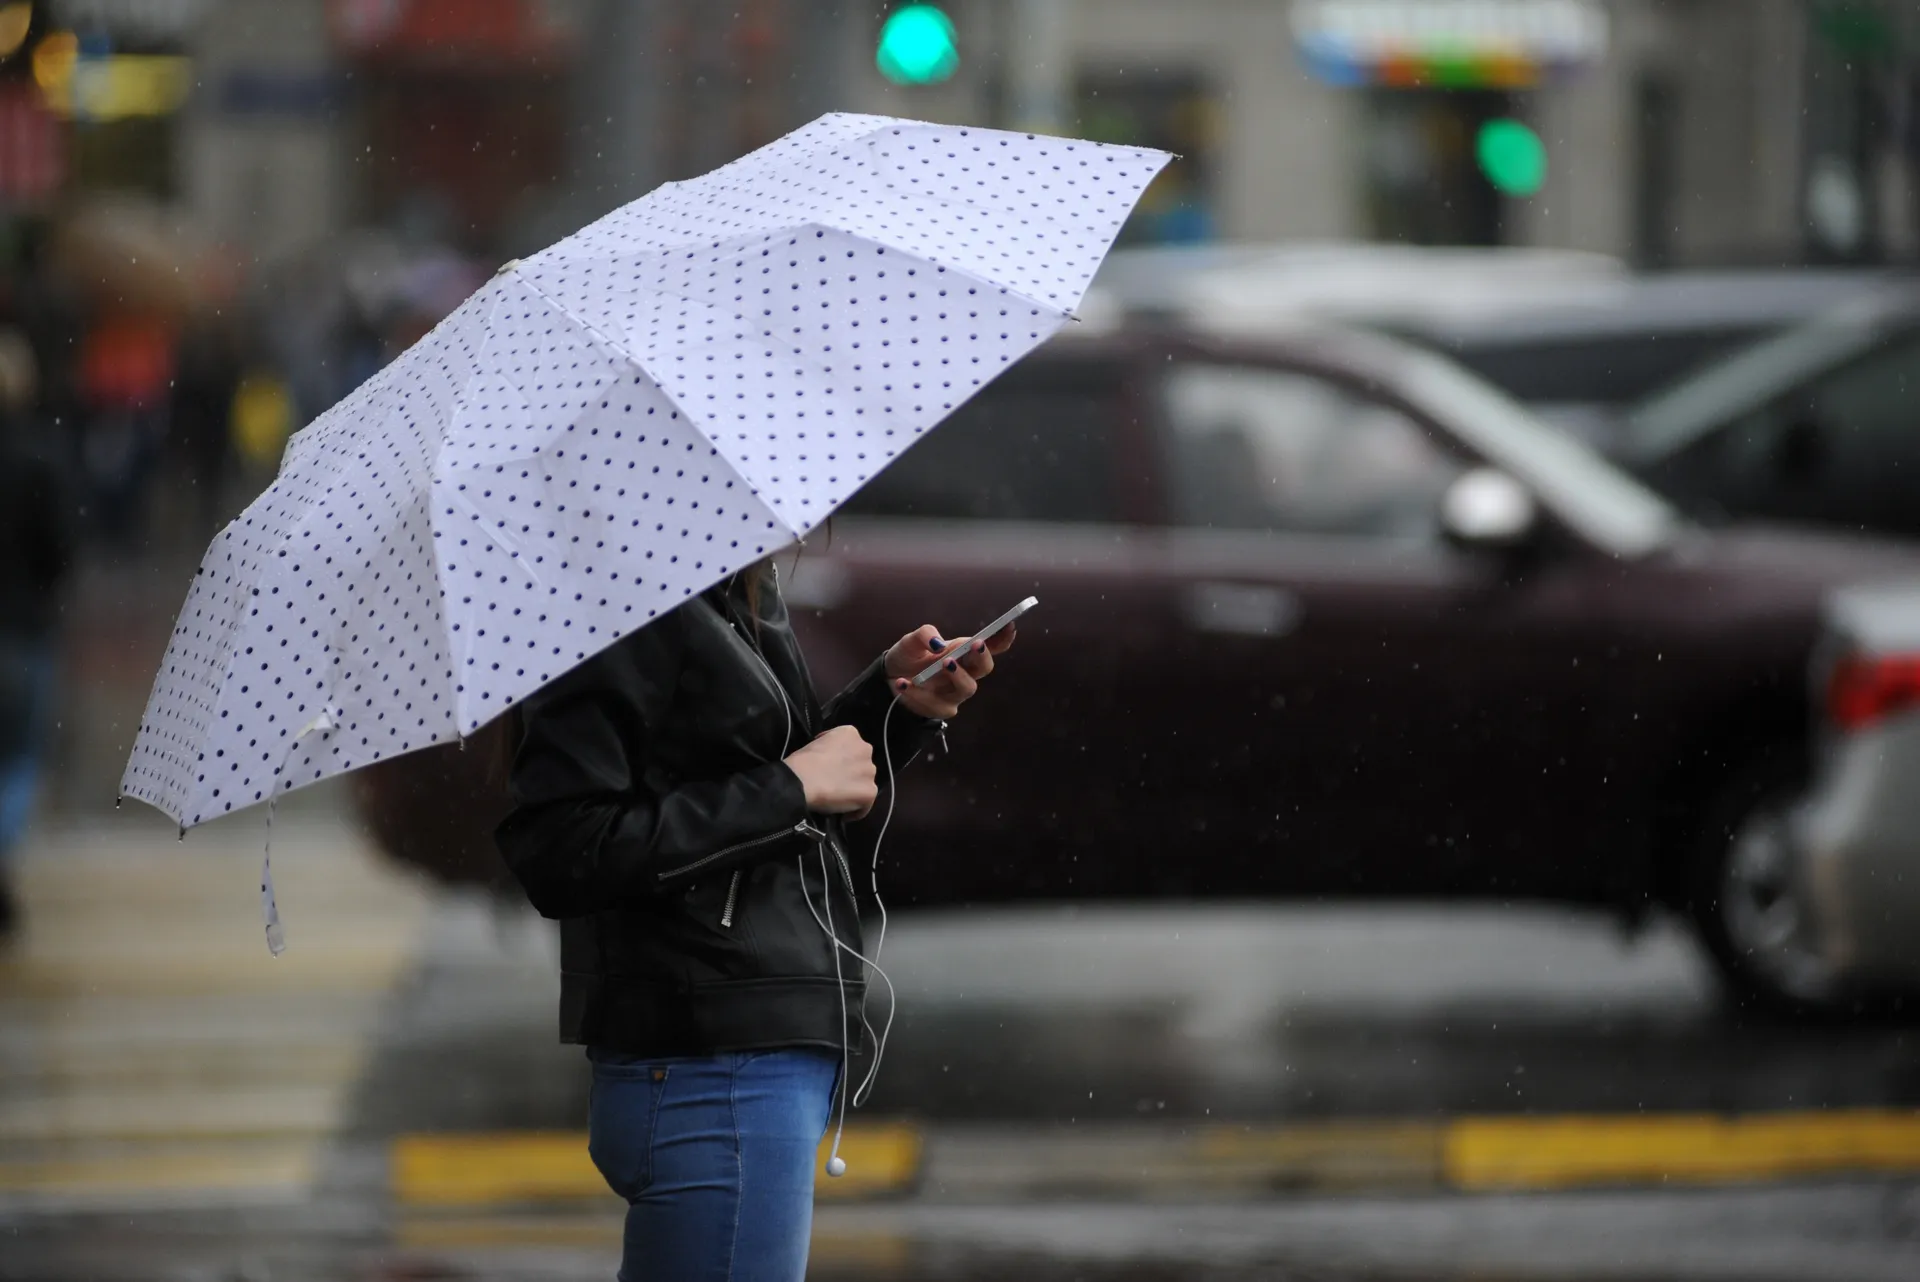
{"x": 863, "y": 705}
{"x": 586, "y": 832}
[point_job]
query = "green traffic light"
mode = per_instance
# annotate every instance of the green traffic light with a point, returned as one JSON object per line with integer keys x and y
{"x": 1512, "y": 157}
{"x": 917, "y": 46}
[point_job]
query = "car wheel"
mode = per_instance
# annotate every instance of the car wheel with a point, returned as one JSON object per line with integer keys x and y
{"x": 1748, "y": 902}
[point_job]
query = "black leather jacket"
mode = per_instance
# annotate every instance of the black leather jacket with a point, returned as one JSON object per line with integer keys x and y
{"x": 653, "y": 815}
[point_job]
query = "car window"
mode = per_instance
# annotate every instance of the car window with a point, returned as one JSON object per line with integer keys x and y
{"x": 1872, "y": 397}
{"x": 1596, "y": 369}
{"x": 1741, "y": 384}
{"x": 1841, "y": 449}
{"x": 1037, "y": 444}
{"x": 1266, "y": 449}
{"x": 1859, "y": 411}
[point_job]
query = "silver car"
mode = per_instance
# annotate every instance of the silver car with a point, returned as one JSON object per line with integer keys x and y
{"x": 1852, "y": 846}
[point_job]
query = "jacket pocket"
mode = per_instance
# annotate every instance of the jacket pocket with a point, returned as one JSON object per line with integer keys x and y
{"x": 621, "y": 1117}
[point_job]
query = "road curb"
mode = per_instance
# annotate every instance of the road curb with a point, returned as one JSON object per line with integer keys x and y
{"x": 980, "y": 1164}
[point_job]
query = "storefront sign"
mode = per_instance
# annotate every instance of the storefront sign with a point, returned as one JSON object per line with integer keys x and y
{"x": 142, "y": 20}
{"x": 1448, "y": 44}
{"x": 110, "y": 86}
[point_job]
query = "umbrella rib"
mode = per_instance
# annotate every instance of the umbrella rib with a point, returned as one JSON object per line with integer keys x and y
{"x": 915, "y": 255}
{"x": 598, "y": 336}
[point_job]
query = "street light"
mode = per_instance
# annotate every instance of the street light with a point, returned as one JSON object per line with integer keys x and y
{"x": 917, "y": 46}
{"x": 1512, "y": 157}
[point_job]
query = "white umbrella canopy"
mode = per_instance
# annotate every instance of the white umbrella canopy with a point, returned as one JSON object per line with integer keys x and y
{"x": 606, "y": 428}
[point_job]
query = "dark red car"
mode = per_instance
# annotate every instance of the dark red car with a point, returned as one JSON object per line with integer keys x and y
{"x": 1325, "y": 615}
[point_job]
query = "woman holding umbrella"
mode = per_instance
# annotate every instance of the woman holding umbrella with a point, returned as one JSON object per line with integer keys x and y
{"x": 538, "y": 508}
{"x": 678, "y": 805}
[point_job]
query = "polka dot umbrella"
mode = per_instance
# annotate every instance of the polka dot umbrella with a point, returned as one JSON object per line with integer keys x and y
{"x": 608, "y": 427}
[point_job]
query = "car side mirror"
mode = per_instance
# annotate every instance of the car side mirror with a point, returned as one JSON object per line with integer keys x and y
{"x": 1486, "y": 508}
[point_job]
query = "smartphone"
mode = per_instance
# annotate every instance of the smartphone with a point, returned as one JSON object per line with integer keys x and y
{"x": 979, "y": 638}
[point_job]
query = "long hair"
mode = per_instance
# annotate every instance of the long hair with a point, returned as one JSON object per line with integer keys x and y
{"x": 756, "y": 576}
{"x": 503, "y": 735}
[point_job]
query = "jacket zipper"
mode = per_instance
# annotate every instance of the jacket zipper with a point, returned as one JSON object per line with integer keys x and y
{"x": 804, "y": 828}
{"x": 733, "y": 893}
{"x": 845, "y": 871}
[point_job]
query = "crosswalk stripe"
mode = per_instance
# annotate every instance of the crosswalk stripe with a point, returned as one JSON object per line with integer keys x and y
{"x": 150, "y": 1048}
{"x": 168, "y": 1175}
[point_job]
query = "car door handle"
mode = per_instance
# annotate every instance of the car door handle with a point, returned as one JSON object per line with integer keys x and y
{"x": 1242, "y": 609}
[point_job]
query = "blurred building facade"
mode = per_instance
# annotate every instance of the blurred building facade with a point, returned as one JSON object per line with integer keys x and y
{"x": 1663, "y": 131}
{"x": 1674, "y": 131}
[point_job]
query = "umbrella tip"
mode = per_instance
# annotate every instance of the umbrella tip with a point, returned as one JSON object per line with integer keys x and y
{"x": 506, "y": 267}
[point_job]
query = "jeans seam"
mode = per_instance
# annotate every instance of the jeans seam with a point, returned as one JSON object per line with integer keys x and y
{"x": 739, "y": 1161}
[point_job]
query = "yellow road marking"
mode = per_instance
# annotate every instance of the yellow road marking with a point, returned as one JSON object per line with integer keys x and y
{"x": 1561, "y": 1152}
{"x": 537, "y": 1166}
{"x": 1469, "y": 1154}
{"x": 491, "y": 1170}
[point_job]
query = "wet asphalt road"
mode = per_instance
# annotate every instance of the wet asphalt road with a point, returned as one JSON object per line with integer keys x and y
{"x": 1023, "y": 1038}
{"x": 1185, "y": 1013}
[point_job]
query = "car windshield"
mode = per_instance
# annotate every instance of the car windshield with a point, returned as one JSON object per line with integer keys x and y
{"x": 1739, "y": 384}
{"x": 1590, "y": 494}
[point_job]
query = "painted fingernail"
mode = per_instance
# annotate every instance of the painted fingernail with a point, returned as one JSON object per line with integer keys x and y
{"x": 936, "y": 645}
{"x": 952, "y": 664}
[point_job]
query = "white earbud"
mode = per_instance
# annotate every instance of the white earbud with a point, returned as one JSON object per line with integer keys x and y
{"x": 836, "y": 1166}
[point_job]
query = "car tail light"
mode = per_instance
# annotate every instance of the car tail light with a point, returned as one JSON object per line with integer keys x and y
{"x": 1864, "y": 690}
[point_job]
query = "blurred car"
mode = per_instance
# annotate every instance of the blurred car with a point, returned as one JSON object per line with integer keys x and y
{"x": 1819, "y": 425}
{"x": 1324, "y": 614}
{"x": 1253, "y": 288}
{"x": 1327, "y": 615}
{"x": 1850, "y": 839}
{"x": 1580, "y": 359}
{"x": 1577, "y": 337}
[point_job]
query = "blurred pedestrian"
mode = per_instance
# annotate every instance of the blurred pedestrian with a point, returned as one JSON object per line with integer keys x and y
{"x": 36, "y": 548}
{"x": 126, "y": 369}
{"x": 678, "y": 803}
{"x": 206, "y": 377}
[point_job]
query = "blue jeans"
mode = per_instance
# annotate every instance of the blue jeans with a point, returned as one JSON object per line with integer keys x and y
{"x": 715, "y": 1156}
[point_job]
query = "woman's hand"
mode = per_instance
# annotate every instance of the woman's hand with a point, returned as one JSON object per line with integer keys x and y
{"x": 940, "y": 698}
{"x": 836, "y": 770}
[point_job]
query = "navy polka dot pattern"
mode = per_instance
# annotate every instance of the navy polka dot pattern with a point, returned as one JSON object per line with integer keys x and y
{"x": 607, "y": 428}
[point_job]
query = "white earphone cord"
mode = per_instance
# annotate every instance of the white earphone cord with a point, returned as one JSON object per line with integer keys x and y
{"x": 860, "y": 1095}
{"x": 835, "y": 1165}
